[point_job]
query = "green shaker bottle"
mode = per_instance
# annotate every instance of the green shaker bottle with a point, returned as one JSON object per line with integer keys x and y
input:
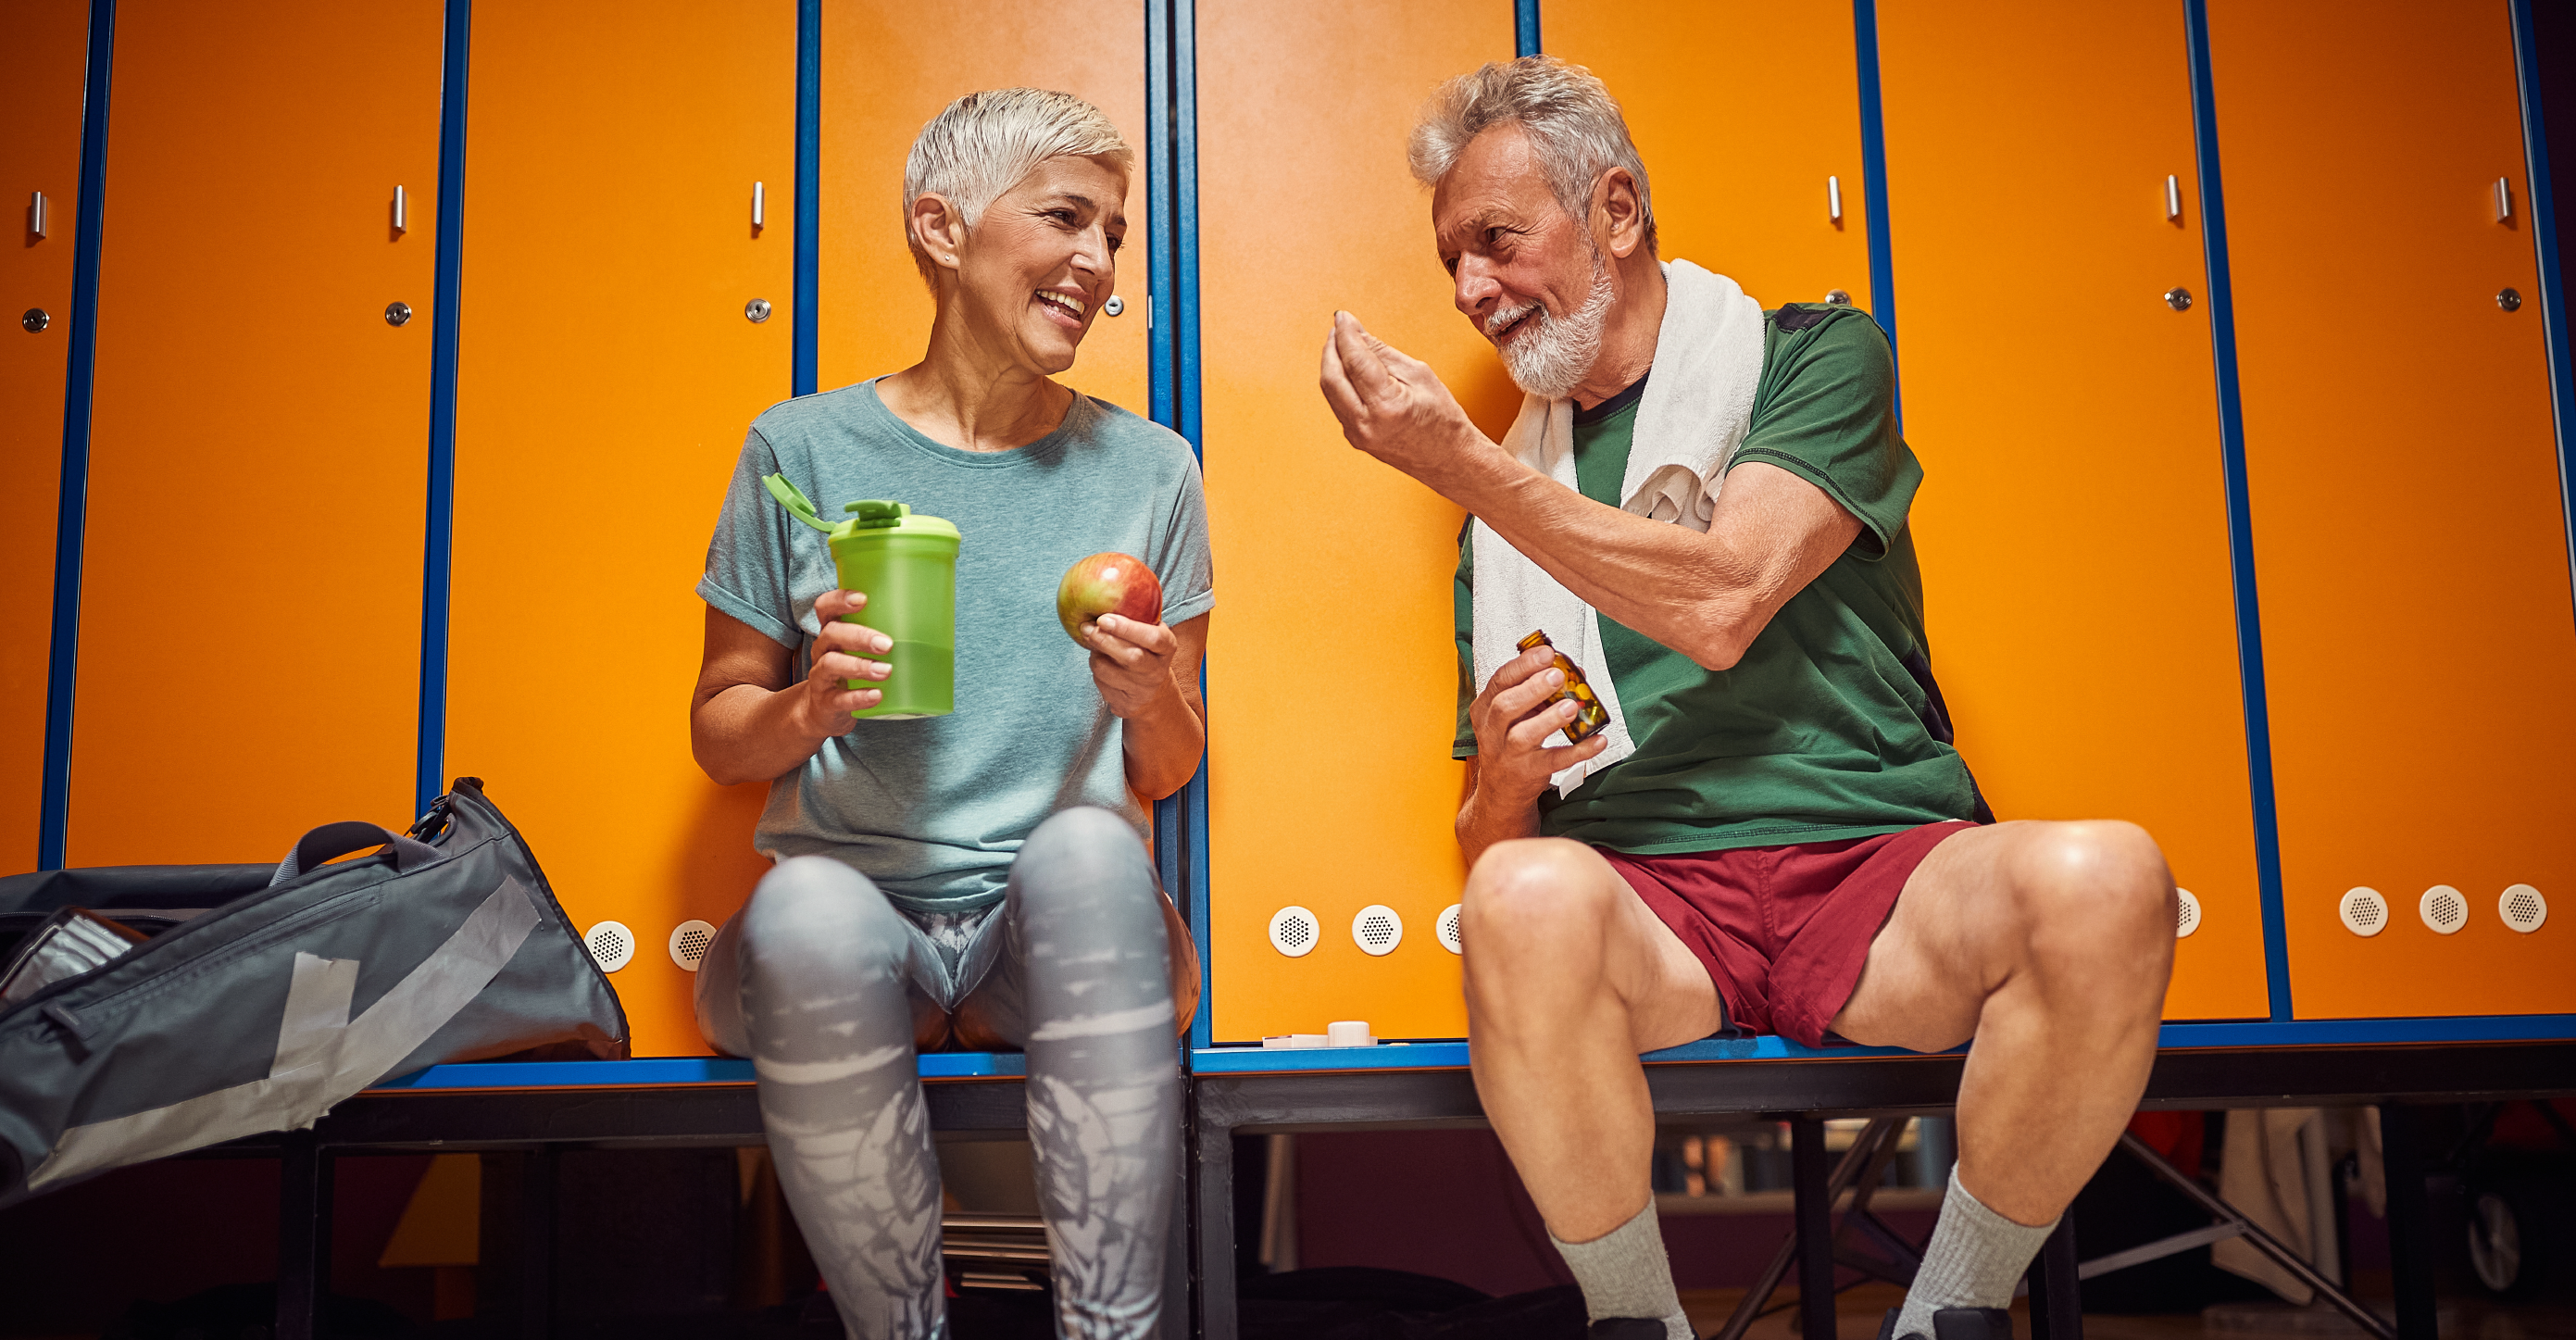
{"x": 906, "y": 565}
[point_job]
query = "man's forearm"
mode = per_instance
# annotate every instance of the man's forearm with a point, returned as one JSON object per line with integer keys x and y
{"x": 1485, "y": 820}
{"x": 750, "y": 734}
{"x": 1678, "y": 586}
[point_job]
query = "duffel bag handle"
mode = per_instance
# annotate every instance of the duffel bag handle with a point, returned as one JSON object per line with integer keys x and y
{"x": 348, "y": 835}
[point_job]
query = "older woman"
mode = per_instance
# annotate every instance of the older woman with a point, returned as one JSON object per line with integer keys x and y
{"x": 978, "y": 879}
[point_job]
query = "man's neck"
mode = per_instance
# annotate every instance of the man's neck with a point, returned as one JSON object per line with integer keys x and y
{"x": 1628, "y": 341}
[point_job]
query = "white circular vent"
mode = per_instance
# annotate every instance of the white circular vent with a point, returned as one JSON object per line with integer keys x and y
{"x": 689, "y": 943}
{"x": 2523, "y": 908}
{"x": 1449, "y": 930}
{"x": 2443, "y": 909}
{"x": 611, "y": 945}
{"x": 1377, "y": 929}
{"x": 2364, "y": 912}
{"x": 1294, "y": 931}
{"x": 2186, "y": 914}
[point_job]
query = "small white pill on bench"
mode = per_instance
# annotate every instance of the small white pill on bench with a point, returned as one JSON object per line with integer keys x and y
{"x": 1349, "y": 1033}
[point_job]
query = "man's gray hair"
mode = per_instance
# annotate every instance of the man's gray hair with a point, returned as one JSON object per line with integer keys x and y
{"x": 983, "y": 144}
{"x": 1572, "y": 122}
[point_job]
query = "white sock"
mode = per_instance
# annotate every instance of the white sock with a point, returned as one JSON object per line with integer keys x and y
{"x": 1624, "y": 1273}
{"x": 1975, "y": 1259}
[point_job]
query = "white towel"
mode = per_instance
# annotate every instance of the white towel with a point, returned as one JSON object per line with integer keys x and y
{"x": 1697, "y": 406}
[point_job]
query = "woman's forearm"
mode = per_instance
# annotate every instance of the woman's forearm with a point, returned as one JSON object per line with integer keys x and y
{"x": 746, "y": 733}
{"x": 1163, "y": 746}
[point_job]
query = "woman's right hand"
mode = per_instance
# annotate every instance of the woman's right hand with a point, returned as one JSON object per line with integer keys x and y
{"x": 843, "y": 652}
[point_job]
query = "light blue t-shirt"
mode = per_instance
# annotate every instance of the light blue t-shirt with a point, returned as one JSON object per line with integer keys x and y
{"x": 933, "y": 809}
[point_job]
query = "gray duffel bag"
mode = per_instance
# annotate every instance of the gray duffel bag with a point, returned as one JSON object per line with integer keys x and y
{"x": 284, "y": 996}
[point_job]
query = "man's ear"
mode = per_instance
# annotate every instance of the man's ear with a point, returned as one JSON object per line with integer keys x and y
{"x": 1618, "y": 218}
{"x": 938, "y": 227}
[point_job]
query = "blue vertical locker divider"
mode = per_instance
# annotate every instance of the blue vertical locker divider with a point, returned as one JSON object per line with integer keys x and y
{"x": 1172, "y": 305}
{"x": 2240, "y": 523}
{"x": 2544, "y": 234}
{"x": 53, "y": 818}
{"x": 809, "y": 189}
{"x": 438, "y": 547}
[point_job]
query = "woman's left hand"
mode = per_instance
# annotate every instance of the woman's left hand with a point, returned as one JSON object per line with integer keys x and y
{"x": 1132, "y": 663}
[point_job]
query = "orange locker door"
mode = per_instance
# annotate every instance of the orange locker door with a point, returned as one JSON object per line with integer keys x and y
{"x": 1332, "y": 677}
{"x": 890, "y": 66}
{"x": 2418, "y": 638}
{"x": 2073, "y": 517}
{"x": 250, "y": 599}
{"x": 1772, "y": 198}
{"x": 44, "y": 56}
{"x": 608, "y": 373}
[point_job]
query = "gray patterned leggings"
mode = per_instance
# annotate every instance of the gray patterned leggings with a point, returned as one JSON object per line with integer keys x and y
{"x": 816, "y": 980}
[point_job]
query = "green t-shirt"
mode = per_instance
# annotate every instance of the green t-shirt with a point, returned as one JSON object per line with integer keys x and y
{"x": 1827, "y": 728}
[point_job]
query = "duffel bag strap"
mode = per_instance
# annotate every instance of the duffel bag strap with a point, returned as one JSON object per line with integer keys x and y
{"x": 344, "y": 837}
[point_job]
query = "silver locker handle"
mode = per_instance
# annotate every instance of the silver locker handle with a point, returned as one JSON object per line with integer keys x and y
{"x": 1834, "y": 198}
{"x": 36, "y": 220}
{"x": 759, "y": 203}
{"x": 2173, "y": 198}
{"x": 2504, "y": 200}
{"x": 402, "y": 210}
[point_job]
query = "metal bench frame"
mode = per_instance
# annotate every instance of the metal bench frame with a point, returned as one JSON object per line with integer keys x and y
{"x": 547, "y": 1107}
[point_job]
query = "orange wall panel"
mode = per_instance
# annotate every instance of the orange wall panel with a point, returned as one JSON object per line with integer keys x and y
{"x": 888, "y": 68}
{"x": 1332, "y": 678}
{"x": 44, "y": 52}
{"x": 1742, "y": 193}
{"x": 250, "y": 607}
{"x": 608, "y": 375}
{"x": 2418, "y": 636}
{"x": 2073, "y": 519}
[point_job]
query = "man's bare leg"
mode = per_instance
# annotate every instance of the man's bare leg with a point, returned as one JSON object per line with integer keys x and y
{"x": 2050, "y": 944}
{"x": 1569, "y": 977}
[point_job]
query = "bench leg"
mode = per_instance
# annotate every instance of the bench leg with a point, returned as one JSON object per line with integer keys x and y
{"x": 1177, "y": 1316}
{"x": 2410, "y": 1220}
{"x": 303, "y": 1236}
{"x": 537, "y": 1243}
{"x": 1212, "y": 1194}
{"x": 2056, "y": 1295}
{"x": 1815, "y": 1220}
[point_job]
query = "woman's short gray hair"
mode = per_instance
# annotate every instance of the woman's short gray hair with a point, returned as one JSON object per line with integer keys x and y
{"x": 983, "y": 144}
{"x": 1572, "y": 122}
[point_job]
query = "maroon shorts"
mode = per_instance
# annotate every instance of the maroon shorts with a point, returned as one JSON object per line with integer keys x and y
{"x": 1783, "y": 931}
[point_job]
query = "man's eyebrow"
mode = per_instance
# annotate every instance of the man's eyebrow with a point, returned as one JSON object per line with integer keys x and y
{"x": 1474, "y": 223}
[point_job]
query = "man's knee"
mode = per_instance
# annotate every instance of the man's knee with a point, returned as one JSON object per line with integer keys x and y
{"x": 2095, "y": 887}
{"x": 814, "y": 914}
{"x": 1534, "y": 896}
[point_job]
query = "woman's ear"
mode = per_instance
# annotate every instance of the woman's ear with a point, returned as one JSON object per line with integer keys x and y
{"x": 937, "y": 226}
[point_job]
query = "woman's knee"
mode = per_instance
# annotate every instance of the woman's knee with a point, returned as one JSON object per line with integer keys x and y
{"x": 814, "y": 913}
{"x": 1086, "y": 861}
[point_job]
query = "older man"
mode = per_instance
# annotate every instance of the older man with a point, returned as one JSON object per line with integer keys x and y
{"x": 1709, "y": 502}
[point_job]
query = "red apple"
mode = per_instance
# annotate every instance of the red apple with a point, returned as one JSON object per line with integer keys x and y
{"x": 1107, "y": 584}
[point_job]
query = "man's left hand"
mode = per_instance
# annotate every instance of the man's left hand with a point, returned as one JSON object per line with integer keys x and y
{"x": 1394, "y": 407}
{"x": 1131, "y": 662}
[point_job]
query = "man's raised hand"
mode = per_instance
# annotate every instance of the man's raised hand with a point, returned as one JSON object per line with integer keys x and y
{"x": 1393, "y": 406}
{"x": 1511, "y": 717}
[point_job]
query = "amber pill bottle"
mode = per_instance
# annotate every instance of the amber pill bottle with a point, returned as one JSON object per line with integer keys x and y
{"x": 1590, "y": 717}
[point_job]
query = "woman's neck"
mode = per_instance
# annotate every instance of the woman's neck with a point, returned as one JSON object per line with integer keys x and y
{"x": 960, "y": 395}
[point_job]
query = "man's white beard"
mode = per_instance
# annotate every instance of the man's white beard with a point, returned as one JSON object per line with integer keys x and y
{"x": 1557, "y": 352}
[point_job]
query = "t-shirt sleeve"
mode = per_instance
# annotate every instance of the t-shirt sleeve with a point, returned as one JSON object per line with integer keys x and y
{"x": 747, "y": 562}
{"x": 1827, "y": 413}
{"x": 1187, "y": 571}
{"x": 1462, "y": 595}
